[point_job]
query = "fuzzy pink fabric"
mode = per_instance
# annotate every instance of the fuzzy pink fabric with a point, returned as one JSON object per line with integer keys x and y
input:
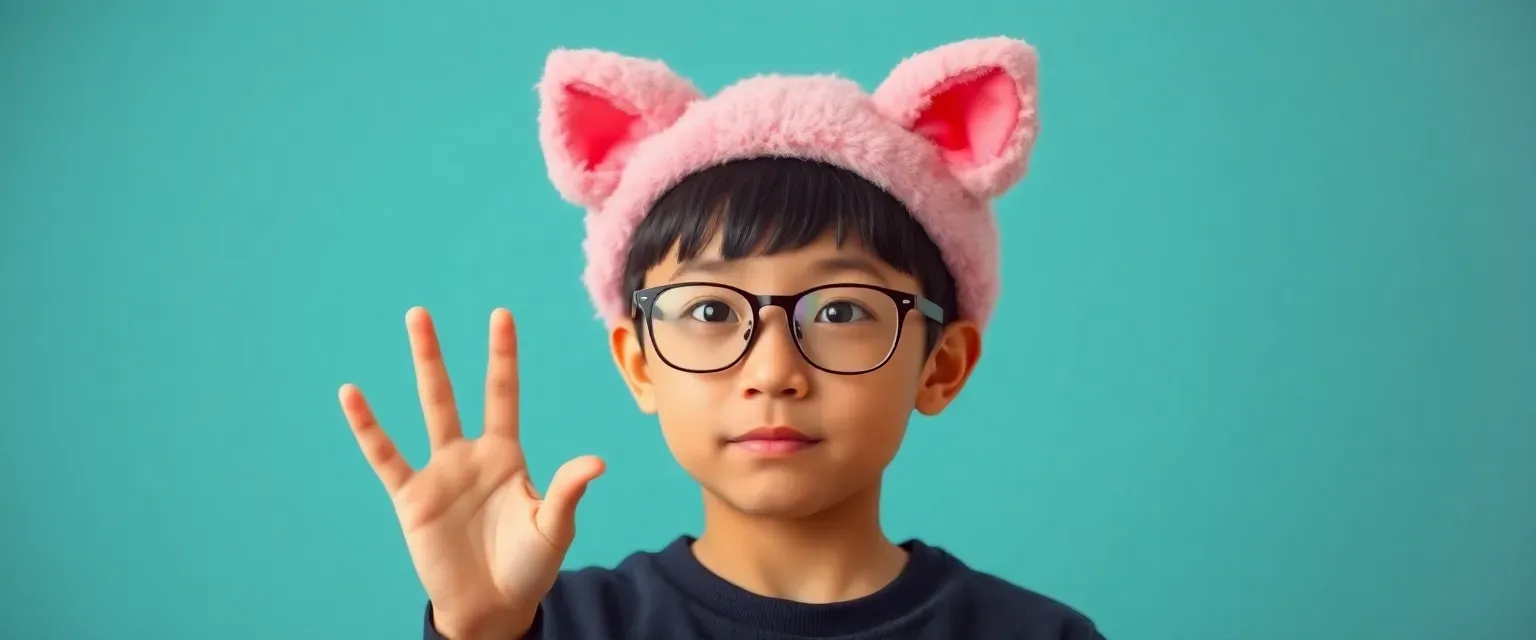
{"x": 945, "y": 133}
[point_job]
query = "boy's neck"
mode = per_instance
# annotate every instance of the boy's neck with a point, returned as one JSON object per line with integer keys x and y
{"x": 836, "y": 555}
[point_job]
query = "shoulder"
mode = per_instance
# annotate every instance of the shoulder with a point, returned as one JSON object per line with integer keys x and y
{"x": 1003, "y": 604}
{"x": 610, "y": 597}
{"x": 624, "y": 582}
{"x": 1063, "y": 620}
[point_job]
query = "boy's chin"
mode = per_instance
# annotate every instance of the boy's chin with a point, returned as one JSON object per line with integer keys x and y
{"x": 780, "y": 502}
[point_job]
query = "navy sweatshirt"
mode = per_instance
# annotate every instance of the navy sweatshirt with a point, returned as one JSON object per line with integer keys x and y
{"x": 668, "y": 595}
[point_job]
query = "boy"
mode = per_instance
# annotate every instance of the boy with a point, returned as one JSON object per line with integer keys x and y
{"x": 787, "y": 271}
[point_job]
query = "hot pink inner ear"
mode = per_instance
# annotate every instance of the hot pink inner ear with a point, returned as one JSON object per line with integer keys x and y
{"x": 595, "y": 124}
{"x": 972, "y": 117}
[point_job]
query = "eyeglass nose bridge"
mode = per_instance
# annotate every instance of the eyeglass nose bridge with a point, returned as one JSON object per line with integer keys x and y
{"x": 785, "y": 303}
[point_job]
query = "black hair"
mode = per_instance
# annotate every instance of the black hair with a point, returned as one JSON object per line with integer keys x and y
{"x": 768, "y": 205}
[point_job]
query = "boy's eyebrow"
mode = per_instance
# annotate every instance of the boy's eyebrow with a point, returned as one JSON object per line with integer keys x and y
{"x": 824, "y": 266}
{"x": 842, "y": 264}
{"x": 705, "y": 267}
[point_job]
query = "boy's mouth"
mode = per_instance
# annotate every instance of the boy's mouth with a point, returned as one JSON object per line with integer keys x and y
{"x": 773, "y": 441}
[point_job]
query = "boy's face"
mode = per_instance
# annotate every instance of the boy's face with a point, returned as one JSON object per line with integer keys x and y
{"x": 852, "y": 425}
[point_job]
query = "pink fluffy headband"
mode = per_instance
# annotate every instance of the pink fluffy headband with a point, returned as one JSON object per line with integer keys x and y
{"x": 945, "y": 133}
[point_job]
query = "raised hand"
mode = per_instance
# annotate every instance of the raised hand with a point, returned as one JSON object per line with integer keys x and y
{"x": 485, "y": 545}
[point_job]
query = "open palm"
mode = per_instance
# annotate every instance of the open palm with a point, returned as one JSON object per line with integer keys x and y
{"x": 485, "y": 545}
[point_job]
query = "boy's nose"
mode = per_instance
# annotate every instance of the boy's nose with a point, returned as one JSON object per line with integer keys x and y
{"x": 774, "y": 367}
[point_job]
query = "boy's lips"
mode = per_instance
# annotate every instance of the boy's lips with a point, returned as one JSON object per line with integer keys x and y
{"x": 773, "y": 441}
{"x": 773, "y": 433}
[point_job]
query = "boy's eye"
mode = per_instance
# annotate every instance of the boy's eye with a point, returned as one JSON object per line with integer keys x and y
{"x": 712, "y": 311}
{"x": 841, "y": 312}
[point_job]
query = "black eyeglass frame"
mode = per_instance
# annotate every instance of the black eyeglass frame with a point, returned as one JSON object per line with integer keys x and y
{"x": 644, "y": 302}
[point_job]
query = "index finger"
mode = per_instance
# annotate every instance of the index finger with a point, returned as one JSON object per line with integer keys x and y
{"x": 501, "y": 383}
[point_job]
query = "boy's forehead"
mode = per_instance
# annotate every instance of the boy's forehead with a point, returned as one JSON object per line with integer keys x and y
{"x": 823, "y": 259}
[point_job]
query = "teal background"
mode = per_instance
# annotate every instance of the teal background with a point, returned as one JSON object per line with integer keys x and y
{"x": 1263, "y": 370}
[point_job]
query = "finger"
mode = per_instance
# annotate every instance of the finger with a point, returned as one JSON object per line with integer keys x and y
{"x": 556, "y": 518}
{"x": 432, "y": 380}
{"x": 380, "y": 452}
{"x": 501, "y": 386}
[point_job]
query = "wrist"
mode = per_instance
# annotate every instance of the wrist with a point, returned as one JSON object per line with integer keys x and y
{"x": 503, "y": 625}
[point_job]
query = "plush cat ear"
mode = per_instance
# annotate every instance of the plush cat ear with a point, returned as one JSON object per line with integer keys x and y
{"x": 975, "y": 101}
{"x": 594, "y": 107}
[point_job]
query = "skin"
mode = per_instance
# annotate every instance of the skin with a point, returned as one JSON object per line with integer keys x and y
{"x": 487, "y": 546}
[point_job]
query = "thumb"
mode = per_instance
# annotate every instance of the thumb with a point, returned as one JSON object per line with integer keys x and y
{"x": 556, "y": 517}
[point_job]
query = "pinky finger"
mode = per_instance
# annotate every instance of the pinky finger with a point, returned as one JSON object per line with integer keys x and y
{"x": 381, "y": 453}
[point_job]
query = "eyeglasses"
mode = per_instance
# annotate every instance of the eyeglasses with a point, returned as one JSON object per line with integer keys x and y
{"x": 847, "y": 329}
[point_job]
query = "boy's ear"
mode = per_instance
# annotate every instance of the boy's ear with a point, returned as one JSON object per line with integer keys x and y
{"x": 629, "y": 357}
{"x": 975, "y": 101}
{"x": 950, "y": 365}
{"x": 594, "y": 108}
